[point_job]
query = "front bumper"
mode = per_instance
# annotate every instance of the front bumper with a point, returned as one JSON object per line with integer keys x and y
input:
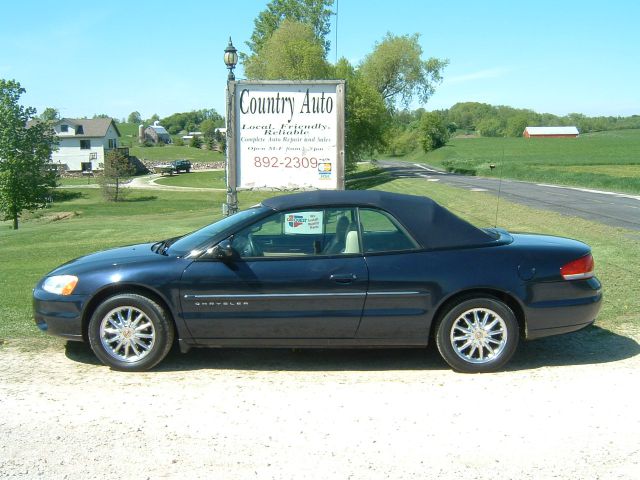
{"x": 58, "y": 315}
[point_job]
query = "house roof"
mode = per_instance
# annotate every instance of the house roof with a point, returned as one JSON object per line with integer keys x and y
{"x": 92, "y": 127}
{"x": 160, "y": 130}
{"x": 552, "y": 131}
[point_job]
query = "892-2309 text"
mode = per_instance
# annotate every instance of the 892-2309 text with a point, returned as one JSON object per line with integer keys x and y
{"x": 286, "y": 162}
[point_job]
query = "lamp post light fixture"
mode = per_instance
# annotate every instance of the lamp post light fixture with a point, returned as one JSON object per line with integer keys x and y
{"x": 230, "y": 60}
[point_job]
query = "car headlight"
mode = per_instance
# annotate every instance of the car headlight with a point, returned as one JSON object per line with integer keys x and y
{"x": 60, "y": 284}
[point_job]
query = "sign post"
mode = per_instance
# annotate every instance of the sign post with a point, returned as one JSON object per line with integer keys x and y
{"x": 231, "y": 206}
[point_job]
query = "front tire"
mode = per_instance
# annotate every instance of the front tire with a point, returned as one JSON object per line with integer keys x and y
{"x": 130, "y": 332}
{"x": 477, "y": 335}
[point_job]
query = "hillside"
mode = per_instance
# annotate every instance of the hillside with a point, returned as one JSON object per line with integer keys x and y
{"x": 608, "y": 160}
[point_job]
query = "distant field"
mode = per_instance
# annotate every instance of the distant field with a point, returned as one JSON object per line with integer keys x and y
{"x": 128, "y": 130}
{"x": 129, "y": 138}
{"x": 173, "y": 152}
{"x": 607, "y": 160}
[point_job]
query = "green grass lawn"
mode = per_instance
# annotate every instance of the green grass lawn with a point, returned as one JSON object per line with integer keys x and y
{"x": 213, "y": 179}
{"x": 173, "y": 152}
{"x": 73, "y": 181}
{"x": 606, "y": 160}
{"x": 82, "y": 222}
{"x": 216, "y": 179}
{"x": 128, "y": 130}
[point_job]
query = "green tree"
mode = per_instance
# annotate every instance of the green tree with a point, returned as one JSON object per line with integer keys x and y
{"x": 134, "y": 117}
{"x": 292, "y": 52}
{"x": 516, "y": 125}
{"x": 434, "y": 131}
{"x": 397, "y": 71}
{"x": 490, "y": 127}
{"x": 190, "y": 121}
{"x": 467, "y": 115}
{"x": 50, "y": 114}
{"x": 25, "y": 151}
{"x": 195, "y": 142}
{"x": 117, "y": 170}
{"x": 211, "y": 134}
{"x": 366, "y": 116}
{"x": 315, "y": 13}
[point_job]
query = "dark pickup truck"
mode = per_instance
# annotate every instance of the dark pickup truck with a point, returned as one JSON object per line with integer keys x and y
{"x": 179, "y": 165}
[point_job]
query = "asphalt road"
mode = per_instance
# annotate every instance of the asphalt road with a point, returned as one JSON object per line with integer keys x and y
{"x": 615, "y": 209}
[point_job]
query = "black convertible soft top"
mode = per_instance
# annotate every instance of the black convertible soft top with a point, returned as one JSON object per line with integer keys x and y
{"x": 432, "y": 225}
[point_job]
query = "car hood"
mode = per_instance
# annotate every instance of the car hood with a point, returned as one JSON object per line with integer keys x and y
{"x": 109, "y": 258}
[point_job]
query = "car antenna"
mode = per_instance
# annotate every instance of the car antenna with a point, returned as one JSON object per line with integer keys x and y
{"x": 492, "y": 166}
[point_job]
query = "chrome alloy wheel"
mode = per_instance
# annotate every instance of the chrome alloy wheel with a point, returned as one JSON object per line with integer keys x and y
{"x": 127, "y": 334}
{"x": 479, "y": 335}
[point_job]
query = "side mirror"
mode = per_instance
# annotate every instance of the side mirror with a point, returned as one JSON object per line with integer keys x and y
{"x": 223, "y": 250}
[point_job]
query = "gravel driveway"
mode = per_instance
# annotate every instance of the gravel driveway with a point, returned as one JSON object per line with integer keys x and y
{"x": 567, "y": 408}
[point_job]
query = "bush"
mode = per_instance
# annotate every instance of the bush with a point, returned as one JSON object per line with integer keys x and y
{"x": 434, "y": 131}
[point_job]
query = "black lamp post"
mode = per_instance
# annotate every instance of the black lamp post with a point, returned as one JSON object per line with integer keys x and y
{"x": 230, "y": 60}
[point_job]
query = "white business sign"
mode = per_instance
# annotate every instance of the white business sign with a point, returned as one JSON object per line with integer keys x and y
{"x": 289, "y": 135}
{"x": 303, "y": 223}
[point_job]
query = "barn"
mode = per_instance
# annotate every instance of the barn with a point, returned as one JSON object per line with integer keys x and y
{"x": 156, "y": 133}
{"x": 550, "y": 132}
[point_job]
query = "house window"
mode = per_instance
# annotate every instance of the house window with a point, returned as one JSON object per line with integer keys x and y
{"x": 79, "y": 130}
{"x": 93, "y": 156}
{"x": 64, "y": 128}
{"x": 86, "y": 166}
{"x": 112, "y": 143}
{"x": 85, "y": 144}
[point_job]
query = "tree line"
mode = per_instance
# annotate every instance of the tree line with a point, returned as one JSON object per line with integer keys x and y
{"x": 290, "y": 42}
{"x": 412, "y": 129}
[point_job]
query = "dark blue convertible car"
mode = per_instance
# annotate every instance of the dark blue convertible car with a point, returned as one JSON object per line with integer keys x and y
{"x": 325, "y": 269}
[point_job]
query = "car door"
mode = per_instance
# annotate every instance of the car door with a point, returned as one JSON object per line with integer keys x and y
{"x": 282, "y": 283}
{"x": 401, "y": 288}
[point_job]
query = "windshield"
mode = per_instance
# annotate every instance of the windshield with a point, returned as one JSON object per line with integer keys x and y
{"x": 206, "y": 234}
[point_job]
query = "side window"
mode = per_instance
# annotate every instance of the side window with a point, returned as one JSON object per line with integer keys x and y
{"x": 303, "y": 233}
{"x": 341, "y": 232}
{"x": 382, "y": 233}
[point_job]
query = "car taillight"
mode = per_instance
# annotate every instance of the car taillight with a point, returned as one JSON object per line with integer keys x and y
{"x": 578, "y": 269}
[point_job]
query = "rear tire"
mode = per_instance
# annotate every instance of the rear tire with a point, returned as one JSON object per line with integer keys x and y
{"x": 477, "y": 335}
{"x": 130, "y": 332}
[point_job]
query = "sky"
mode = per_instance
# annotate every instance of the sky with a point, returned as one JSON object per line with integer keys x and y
{"x": 116, "y": 57}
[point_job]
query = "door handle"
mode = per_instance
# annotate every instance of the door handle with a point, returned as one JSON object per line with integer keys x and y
{"x": 343, "y": 277}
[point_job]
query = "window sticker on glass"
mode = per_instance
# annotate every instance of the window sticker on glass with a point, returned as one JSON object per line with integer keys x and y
{"x": 303, "y": 223}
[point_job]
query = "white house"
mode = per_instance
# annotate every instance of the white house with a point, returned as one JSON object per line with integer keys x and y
{"x": 83, "y": 142}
